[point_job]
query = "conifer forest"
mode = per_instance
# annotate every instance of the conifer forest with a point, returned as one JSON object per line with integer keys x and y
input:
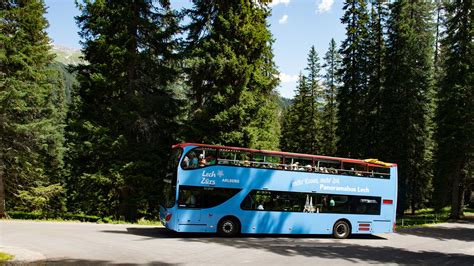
{"x": 95, "y": 138}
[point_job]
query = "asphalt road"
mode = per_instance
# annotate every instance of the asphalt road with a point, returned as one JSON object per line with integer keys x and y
{"x": 73, "y": 243}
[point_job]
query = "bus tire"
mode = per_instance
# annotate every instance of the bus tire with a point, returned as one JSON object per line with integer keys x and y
{"x": 341, "y": 229}
{"x": 228, "y": 227}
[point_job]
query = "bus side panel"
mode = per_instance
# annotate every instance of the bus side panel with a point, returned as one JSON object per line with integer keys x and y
{"x": 382, "y": 226}
{"x": 268, "y": 222}
{"x": 263, "y": 222}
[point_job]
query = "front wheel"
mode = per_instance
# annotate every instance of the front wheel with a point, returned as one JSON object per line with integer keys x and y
{"x": 228, "y": 227}
{"x": 341, "y": 230}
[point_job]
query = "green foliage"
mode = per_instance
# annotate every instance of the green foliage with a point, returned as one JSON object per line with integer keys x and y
{"x": 454, "y": 168}
{"x": 373, "y": 118}
{"x": 351, "y": 96}
{"x": 32, "y": 111}
{"x": 302, "y": 122}
{"x": 407, "y": 100}
{"x": 332, "y": 64}
{"x": 36, "y": 215}
{"x": 68, "y": 78}
{"x": 5, "y": 257}
{"x": 123, "y": 118}
{"x": 231, "y": 75}
{"x": 294, "y": 134}
{"x": 124, "y": 109}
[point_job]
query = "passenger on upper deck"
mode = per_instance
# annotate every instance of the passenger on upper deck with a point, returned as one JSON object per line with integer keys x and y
{"x": 202, "y": 160}
{"x": 210, "y": 160}
{"x": 194, "y": 160}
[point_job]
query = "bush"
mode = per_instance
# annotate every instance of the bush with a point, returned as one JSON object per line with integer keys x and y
{"x": 49, "y": 216}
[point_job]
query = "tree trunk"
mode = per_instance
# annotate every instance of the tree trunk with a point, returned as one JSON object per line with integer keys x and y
{"x": 3, "y": 212}
{"x": 457, "y": 194}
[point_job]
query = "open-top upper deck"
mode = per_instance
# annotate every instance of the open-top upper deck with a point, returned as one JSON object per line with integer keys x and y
{"x": 287, "y": 154}
{"x": 236, "y": 156}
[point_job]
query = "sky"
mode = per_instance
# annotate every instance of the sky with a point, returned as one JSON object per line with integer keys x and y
{"x": 296, "y": 25}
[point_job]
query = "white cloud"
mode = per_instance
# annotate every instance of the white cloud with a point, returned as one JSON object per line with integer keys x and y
{"x": 277, "y": 2}
{"x": 284, "y": 78}
{"x": 324, "y": 6}
{"x": 283, "y": 19}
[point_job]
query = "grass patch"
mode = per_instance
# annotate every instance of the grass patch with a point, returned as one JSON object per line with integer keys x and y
{"x": 5, "y": 256}
{"x": 428, "y": 216}
{"x": 423, "y": 217}
{"x": 468, "y": 211}
{"x": 69, "y": 217}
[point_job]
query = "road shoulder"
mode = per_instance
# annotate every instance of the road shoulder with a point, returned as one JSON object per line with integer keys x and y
{"x": 22, "y": 255}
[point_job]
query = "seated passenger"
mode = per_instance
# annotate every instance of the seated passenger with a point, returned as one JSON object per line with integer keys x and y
{"x": 185, "y": 163}
{"x": 202, "y": 160}
{"x": 194, "y": 160}
{"x": 294, "y": 166}
{"x": 210, "y": 160}
{"x": 308, "y": 168}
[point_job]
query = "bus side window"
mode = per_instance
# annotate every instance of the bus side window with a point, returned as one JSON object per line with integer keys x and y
{"x": 247, "y": 203}
{"x": 299, "y": 164}
{"x": 234, "y": 157}
{"x": 260, "y": 160}
{"x": 327, "y": 166}
{"x": 199, "y": 157}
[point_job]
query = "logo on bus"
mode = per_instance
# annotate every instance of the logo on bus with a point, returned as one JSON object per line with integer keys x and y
{"x": 207, "y": 178}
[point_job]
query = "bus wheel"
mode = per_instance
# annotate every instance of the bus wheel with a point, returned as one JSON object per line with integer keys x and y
{"x": 228, "y": 227}
{"x": 341, "y": 229}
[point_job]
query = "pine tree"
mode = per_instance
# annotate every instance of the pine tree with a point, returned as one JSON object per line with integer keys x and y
{"x": 332, "y": 64}
{"x": 352, "y": 94}
{"x": 231, "y": 75}
{"x": 123, "y": 119}
{"x": 376, "y": 78}
{"x": 314, "y": 125}
{"x": 294, "y": 135}
{"x": 31, "y": 112}
{"x": 302, "y": 126}
{"x": 455, "y": 112}
{"x": 407, "y": 100}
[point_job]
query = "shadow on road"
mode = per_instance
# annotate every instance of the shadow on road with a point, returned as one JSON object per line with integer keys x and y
{"x": 85, "y": 262}
{"x": 441, "y": 233}
{"x": 301, "y": 245}
{"x": 165, "y": 233}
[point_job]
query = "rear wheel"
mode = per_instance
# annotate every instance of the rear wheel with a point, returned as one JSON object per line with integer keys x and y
{"x": 341, "y": 229}
{"x": 228, "y": 227}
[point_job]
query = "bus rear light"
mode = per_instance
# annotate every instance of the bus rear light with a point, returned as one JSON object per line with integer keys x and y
{"x": 394, "y": 227}
{"x": 364, "y": 227}
{"x": 387, "y": 201}
{"x": 168, "y": 217}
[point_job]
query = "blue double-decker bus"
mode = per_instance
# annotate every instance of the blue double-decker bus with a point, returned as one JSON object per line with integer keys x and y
{"x": 229, "y": 190}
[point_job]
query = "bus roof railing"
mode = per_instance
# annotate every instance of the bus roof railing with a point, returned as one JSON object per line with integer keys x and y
{"x": 369, "y": 162}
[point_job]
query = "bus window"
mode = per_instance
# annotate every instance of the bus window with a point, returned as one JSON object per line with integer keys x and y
{"x": 379, "y": 172}
{"x": 199, "y": 157}
{"x": 264, "y": 200}
{"x": 356, "y": 169}
{"x": 327, "y": 166}
{"x": 204, "y": 197}
{"x": 234, "y": 157}
{"x": 271, "y": 161}
{"x": 299, "y": 164}
{"x": 365, "y": 205}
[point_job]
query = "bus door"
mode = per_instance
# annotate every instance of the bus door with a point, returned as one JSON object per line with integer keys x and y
{"x": 189, "y": 207}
